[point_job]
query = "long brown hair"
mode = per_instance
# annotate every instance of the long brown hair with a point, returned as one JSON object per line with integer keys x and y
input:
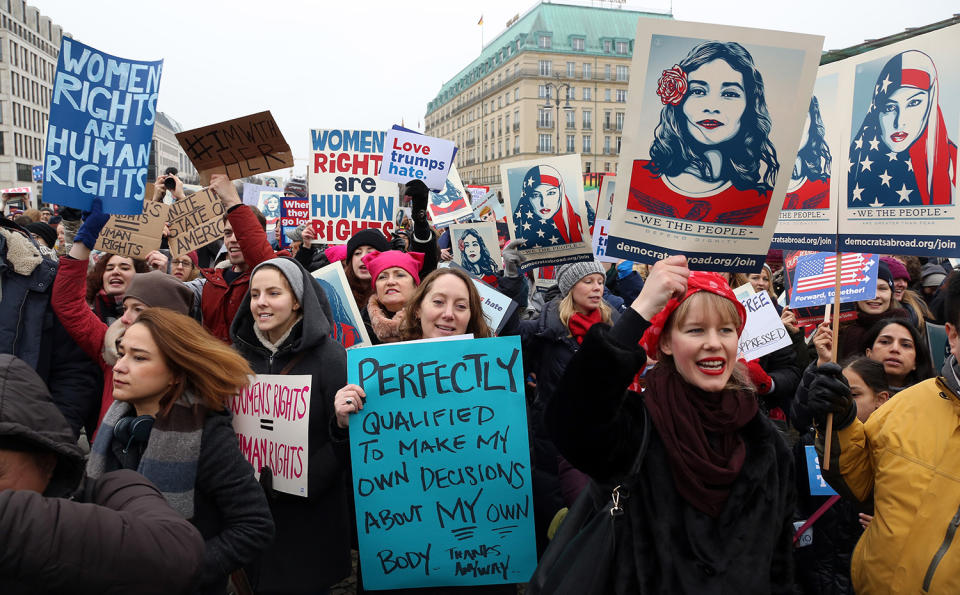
{"x": 206, "y": 366}
{"x": 95, "y": 276}
{"x": 411, "y": 329}
{"x": 362, "y": 289}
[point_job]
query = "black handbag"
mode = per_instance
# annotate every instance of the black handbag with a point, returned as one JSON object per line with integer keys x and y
{"x": 580, "y": 559}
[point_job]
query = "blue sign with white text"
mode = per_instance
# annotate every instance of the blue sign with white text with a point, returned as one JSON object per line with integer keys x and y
{"x": 441, "y": 464}
{"x": 818, "y": 485}
{"x": 37, "y": 173}
{"x": 101, "y": 124}
{"x": 815, "y": 278}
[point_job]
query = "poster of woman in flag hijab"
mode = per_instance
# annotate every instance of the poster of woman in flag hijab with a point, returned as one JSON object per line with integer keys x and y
{"x": 901, "y": 179}
{"x": 545, "y": 204}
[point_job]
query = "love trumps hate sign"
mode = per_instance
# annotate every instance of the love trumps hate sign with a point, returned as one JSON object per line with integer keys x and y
{"x": 101, "y": 124}
{"x": 441, "y": 464}
{"x": 410, "y": 156}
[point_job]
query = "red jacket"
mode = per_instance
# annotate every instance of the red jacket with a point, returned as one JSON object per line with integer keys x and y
{"x": 85, "y": 327}
{"x": 219, "y": 301}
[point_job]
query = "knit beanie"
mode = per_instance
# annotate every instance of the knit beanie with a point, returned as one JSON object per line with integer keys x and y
{"x": 291, "y": 269}
{"x": 897, "y": 268}
{"x": 569, "y": 275}
{"x": 194, "y": 259}
{"x": 884, "y": 274}
{"x": 933, "y": 275}
{"x": 377, "y": 262}
{"x": 335, "y": 253}
{"x": 43, "y": 230}
{"x": 296, "y": 187}
{"x": 160, "y": 290}
{"x": 367, "y": 237}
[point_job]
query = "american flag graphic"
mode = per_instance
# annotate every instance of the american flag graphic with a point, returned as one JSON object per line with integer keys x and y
{"x": 819, "y": 271}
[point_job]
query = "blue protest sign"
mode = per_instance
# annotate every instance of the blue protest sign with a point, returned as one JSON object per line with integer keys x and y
{"x": 441, "y": 465}
{"x": 101, "y": 124}
{"x": 815, "y": 277}
{"x": 818, "y": 486}
{"x": 37, "y": 173}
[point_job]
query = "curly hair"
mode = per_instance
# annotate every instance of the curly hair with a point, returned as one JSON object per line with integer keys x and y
{"x": 815, "y": 156}
{"x": 749, "y": 158}
{"x": 485, "y": 265}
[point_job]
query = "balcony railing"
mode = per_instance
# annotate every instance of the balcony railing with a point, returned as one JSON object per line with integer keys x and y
{"x": 470, "y": 142}
{"x": 545, "y": 124}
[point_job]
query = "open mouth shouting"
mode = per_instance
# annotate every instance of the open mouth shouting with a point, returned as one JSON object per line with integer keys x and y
{"x": 712, "y": 366}
{"x": 709, "y": 124}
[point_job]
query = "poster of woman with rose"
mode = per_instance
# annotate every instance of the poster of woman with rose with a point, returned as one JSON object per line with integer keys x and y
{"x": 713, "y": 125}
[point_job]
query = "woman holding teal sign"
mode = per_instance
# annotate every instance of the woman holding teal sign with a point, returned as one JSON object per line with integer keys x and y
{"x": 709, "y": 505}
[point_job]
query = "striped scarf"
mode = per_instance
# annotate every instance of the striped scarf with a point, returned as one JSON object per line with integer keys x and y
{"x": 170, "y": 460}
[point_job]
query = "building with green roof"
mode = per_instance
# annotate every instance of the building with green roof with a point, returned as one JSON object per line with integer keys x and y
{"x": 576, "y": 59}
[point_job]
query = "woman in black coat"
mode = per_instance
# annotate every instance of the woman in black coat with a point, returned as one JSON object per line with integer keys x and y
{"x": 283, "y": 327}
{"x": 712, "y": 508}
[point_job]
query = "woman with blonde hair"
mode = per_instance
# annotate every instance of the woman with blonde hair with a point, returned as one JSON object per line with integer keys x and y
{"x": 170, "y": 423}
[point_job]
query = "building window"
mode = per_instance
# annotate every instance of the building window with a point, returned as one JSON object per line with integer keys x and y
{"x": 571, "y": 69}
{"x": 587, "y": 141}
{"x": 619, "y": 120}
{"x": 571, "y": 143}
{"x": 545, "y": 145}
{"x": 606, "y": 119}
{"x": 586, "y": 70}
{"x": 606, "y": 71}
{"x": 24, "y": 173}
{"x": 619, "y": 140}
{"x": 606, "y": 166}
{"x": 544, "y": 42}
{"x": 545, "y": 118}
{"x": 507, "y": 122}
{"x": 499, "y": 102}
{"x": 578, "y": 44}
{"x": 606, "y": 150}
{"x": 607, "y": 46}
{"x": 544, "y": 91}
{"x": 571, "y": 119}
{"x": 621, "y": 47}
{"x": 587, "y": 94}
{"x": 606, "y": 94}
{"x": 587, "y": 119}
{"x": 516, "y": 144}
{"x": 622, "y": 73}
{"x": 516, "y": 94}
{"x": 621, "y": 95}
{"x": 586, "y": 167}
{"x": 546, "y": 66}
{"x": 499, "y": 149}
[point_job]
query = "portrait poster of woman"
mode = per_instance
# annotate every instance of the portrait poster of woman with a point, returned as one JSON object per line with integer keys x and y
{"x": 348, "y": 328}
{"x": 809, "y": 213}
{"x": 545, "y": 204}
{"x": 476, "y": 248}
{"x": 901, "y": 153}
{"x": 451, "y": 204}
{"x": 713, "y": 121}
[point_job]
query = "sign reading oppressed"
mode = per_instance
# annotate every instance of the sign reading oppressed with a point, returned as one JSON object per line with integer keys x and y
{"x": 101, "y": 125}
{"x": 545, "y": 206}
{"x": 814, "y": 279}
{"x": 238, "y": 148}
{"x": 271, "y": 417}
{"x": 134, "y": 235}
{"x": 195, "y": 221}
{"x": 411, "y": 156}
{"x": 704, "y": 180}
{"x": 294, "y": 212}
{"x": 345, "y": 193}
{"x": 441, "y": 464}
{"x": 764, "y": 331}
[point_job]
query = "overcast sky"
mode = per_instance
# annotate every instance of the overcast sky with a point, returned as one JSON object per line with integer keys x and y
{"x": 372, "y": 63}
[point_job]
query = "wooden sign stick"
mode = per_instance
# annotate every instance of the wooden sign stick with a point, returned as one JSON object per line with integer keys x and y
{"x": 833, "y": 357}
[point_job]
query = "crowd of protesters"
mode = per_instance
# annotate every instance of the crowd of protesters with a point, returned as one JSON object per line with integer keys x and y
{"x": 120, "y": 470}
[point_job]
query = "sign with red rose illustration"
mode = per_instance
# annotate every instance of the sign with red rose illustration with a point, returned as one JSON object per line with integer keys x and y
{"x": 672, "y": 86}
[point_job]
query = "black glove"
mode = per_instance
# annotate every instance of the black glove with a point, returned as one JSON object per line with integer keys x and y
{"x": 70, "y": 214}
{"x": 830, "y": 393}
{"x": 399, "y": 240}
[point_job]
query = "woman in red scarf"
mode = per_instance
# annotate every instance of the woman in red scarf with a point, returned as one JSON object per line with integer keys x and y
{"x": 712, "y": 507}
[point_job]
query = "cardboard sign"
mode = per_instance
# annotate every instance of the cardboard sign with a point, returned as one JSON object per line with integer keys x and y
{"x": 476, "y": 248}
{"x": 818, "y": 486}
{"x": 271, "y": 417}
{"x": 814, "y": 279}
{"x": 497, "y": 307}
{"x": 600, "y": 239}
{"x": 545, "y": 206}
{"x": 687, "y": 181}
{"x": 808, "y": 218}
{"x": 412, "y": 156}
{"x": 134, "y": 235}
{"x": 477, "y": 193}
{"x": 345, "y": 193}
{"x": 441, "y": 464}
{"x": 764, "y": 331}
{"x": 238, "y": 148}
{"x": 348, "y": 327}
{"x": 101, "y": 124}
{"x": 900, "y": 166}
{"x": 451, "y": 204}
{"x": 294, "y": 212}
{"x": 195, "y": 221}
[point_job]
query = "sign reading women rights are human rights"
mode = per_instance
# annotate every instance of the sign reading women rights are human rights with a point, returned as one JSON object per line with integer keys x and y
{"x": 714, "y": 116}
{"x": 101, "y": 123}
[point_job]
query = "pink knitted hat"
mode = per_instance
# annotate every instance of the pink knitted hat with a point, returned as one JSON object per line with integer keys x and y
{"x": 378, "y": 262}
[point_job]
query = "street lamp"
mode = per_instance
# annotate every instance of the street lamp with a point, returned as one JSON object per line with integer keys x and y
{"x": 565, "y": 87}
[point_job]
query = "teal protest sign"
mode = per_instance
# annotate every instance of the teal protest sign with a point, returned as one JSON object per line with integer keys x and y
{"x": 101, "y": 125}
{"x": 441, "y": 466}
